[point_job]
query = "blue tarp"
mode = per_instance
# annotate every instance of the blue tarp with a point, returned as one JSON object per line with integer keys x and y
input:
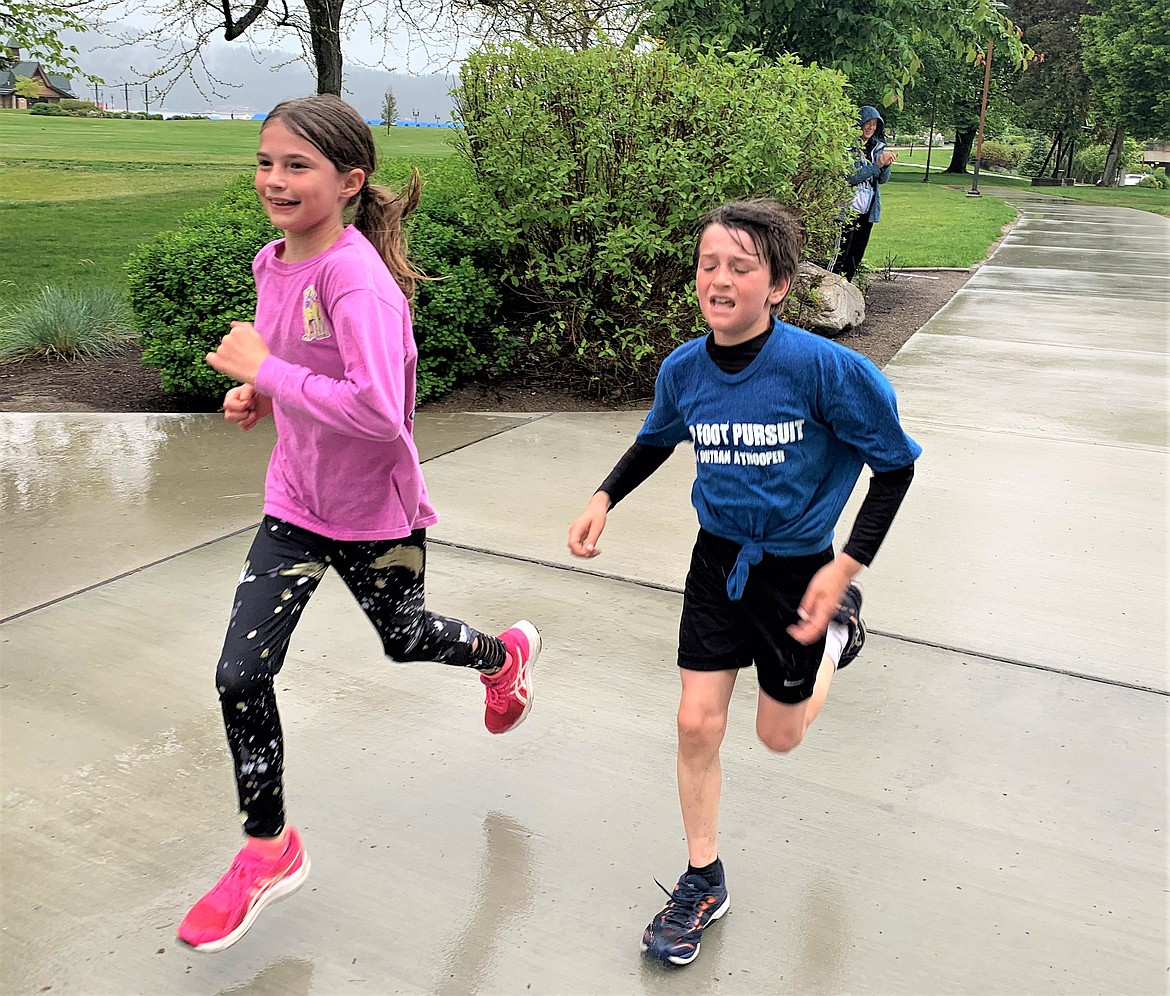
{"x": 258, "y": 117}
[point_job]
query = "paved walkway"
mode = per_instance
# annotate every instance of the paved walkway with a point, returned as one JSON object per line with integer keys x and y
{"x": 981, "y": 808}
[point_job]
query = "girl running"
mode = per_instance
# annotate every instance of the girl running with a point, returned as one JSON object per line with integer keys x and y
{"x": 331, "y": 356}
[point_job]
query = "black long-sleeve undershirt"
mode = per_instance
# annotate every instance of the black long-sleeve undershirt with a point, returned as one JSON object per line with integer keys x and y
{"x": 874, "y": 518}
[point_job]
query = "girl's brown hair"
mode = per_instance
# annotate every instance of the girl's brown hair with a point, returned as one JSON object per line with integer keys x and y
{"x": 338, "y": 132}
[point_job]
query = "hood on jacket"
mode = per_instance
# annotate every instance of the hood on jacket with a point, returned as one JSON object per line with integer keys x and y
{"x": 868, "y": 113}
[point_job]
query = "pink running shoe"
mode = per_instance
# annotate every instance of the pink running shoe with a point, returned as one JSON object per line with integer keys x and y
{"x": 224, "y": 915}
{"x": 509, "y": 692}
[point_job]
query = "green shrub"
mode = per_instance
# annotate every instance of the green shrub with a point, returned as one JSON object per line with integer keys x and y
{"x": 457, "y": 313}
{"x": 187, "y": 285}
{"x": 1089, "y": 162}
{"x": 594, "y": 166}
{"x": 88, "y": 109}
{"x": 1160, "y": 178}
{"x": 1002, "y": 155}
{"x": 64, "y": 323}
{"x": 1032, "y": 162}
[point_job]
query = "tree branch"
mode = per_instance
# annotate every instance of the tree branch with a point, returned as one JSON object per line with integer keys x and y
{"x": 233, "y": 29}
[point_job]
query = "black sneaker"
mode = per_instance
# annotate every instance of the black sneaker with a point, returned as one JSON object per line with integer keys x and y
{"x": 848, "y": 614}
{"x": 673, "y": 935}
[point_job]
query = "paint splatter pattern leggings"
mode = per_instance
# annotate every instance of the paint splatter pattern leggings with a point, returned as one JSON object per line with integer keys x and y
{"x": 283, "y": 569}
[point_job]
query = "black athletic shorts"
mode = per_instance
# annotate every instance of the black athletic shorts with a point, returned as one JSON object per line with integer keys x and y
{"x": 717, "y": 634}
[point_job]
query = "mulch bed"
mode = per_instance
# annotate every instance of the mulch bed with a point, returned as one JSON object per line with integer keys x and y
{"x": 895, "y": 310}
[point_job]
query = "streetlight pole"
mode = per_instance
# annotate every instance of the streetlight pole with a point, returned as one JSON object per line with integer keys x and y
{"x": 974, "y": 191}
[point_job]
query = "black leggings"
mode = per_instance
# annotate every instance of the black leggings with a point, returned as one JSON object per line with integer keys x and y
{"x": 854, "y": 239}
{"x": 283, "y": 569}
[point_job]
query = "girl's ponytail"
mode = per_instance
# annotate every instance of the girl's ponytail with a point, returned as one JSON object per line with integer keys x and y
{"x": 379, "y": 217}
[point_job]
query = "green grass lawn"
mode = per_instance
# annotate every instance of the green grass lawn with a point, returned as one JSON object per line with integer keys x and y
{"x": 96, "y": 141}
{"x": 929, "y": 224}
{"x": 79, "y": 196}
{"x": 1138, "y": 198}
{"x": 84, "y": 241}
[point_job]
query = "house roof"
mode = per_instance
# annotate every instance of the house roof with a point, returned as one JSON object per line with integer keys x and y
{"x": 62, "y": 84}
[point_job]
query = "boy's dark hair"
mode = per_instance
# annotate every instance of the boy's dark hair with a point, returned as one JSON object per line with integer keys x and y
{"x": 340, "y": 134}
{"x": 776, "y": 230}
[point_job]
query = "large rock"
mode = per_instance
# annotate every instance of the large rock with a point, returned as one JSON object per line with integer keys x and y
{"x": 825, "y": 302}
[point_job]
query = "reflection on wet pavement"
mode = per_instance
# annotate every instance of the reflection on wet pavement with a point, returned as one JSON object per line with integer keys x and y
{"x": 499, "y": 900}
{"x": 95, "y": 496}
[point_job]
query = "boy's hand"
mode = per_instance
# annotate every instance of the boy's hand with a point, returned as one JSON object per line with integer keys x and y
{"x": 246, "y": 406}
{"x": 240, "y": 353}
{"x": 587, "y": 527}
{"x": 886, "y": 158}
{"x": 822, "y": 597}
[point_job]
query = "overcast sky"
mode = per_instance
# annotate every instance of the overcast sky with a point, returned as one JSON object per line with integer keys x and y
{"x": 255, "y": 74}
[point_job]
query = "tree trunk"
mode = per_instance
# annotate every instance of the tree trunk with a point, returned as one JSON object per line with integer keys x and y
{"x": 1048, "y": 157}
{"x": 1113, "y": 161}
{"x": 961, "y": 153}
{"x": 1058, "y": 148}
{"x": 325, "y": 39}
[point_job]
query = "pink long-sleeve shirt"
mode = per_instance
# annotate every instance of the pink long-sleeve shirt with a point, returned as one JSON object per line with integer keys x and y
{"x": 341, "y": 376}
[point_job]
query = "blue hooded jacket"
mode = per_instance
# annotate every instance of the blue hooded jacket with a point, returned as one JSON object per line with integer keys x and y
{"x": 866, "y": 169}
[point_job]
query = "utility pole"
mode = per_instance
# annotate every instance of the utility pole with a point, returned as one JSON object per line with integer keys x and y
{"x": 146, "y": 96}
{"x": 974, "y": 191}
{"x": 126, "y": 95}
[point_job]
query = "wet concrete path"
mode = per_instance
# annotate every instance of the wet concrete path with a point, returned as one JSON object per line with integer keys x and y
{"x": 980, "y": 809}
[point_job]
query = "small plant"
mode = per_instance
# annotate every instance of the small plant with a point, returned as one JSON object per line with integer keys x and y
{"x": 64, "y": 323}
{"x": 889, "y": 269}
{"x": 863, "y": 278}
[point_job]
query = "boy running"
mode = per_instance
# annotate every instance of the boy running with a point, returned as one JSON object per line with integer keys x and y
{"x": 782, "y": 422}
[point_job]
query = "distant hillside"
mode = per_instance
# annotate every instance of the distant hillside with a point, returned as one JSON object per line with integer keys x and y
{"x": 260, "y": 79}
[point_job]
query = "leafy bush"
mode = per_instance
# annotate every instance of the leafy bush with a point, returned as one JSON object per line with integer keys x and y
{"x": 1031, "y": 164}
{"x": 1131, "y": 155}
{"x": 1160, "y": 178}
{"x": 594, "y": 166}
{"x": 1089, "y": 162}
{"x": 187, "y": 285}
{"x": 457, "y": 312}
{"x": 88, "y": 109}
{"x": 1002, "y": 155}
{"x": 64, "y": 323}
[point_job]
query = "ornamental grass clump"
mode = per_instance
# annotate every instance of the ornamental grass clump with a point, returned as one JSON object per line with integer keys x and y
{"x": 66, "y": 323}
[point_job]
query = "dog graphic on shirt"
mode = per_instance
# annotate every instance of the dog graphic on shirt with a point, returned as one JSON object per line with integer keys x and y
{"x": 315, "y": 325}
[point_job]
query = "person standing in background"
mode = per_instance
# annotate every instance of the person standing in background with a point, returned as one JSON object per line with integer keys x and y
{"x": 871, "y": 170}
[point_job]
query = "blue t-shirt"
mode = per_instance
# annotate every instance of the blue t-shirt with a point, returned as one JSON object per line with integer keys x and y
{"x": 778, "y": 446}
